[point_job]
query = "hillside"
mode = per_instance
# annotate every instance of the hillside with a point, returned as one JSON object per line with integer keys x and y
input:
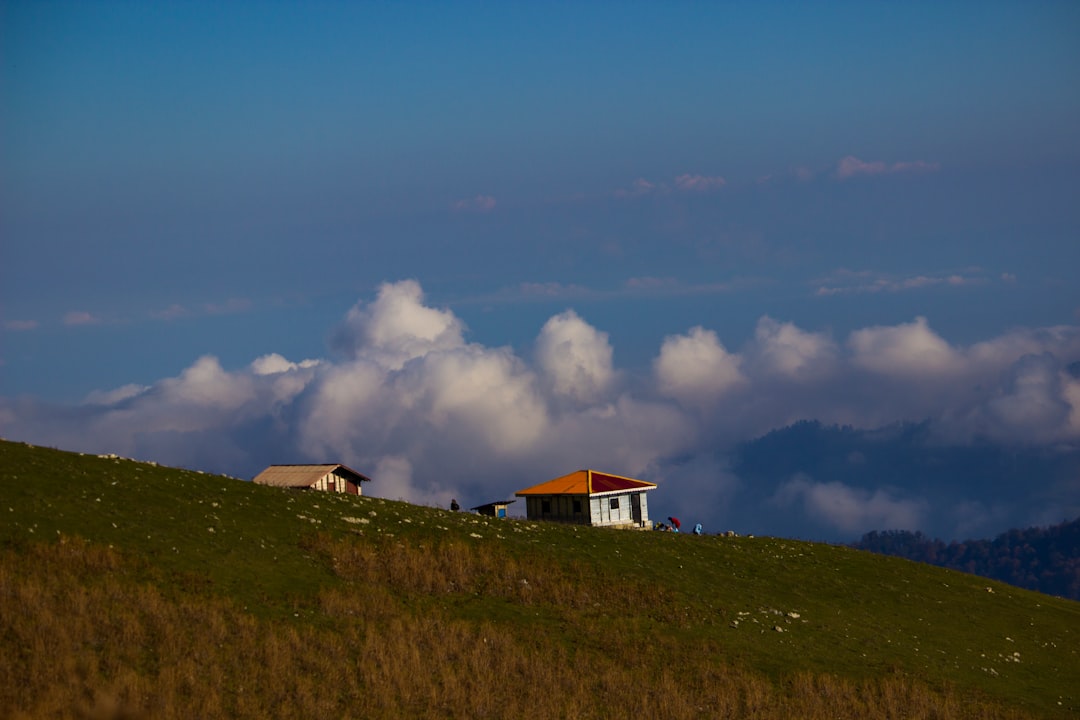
{"x": 134, "y": 590}
{"x": 1043, "y": 559}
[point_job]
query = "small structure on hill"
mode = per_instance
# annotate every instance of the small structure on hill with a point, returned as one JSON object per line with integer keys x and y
{"x": 326, "y": 478}
{"x": 588, "y": 497}
{"x": 494, "y": 509}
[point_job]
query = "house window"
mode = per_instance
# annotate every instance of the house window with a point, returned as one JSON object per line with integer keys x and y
{"x": 577, "y": 506}
{"x": 545, "y": 506}
{"x": 614, "y": 503}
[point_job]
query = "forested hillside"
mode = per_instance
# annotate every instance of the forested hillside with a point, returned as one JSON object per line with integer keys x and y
{"x": 1044, "y": 559}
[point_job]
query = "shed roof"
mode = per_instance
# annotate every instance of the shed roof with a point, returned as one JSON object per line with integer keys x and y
{"x": 493, "y": 503}
{"x": 296, "y": 476}
{"x": 586, "y": 482}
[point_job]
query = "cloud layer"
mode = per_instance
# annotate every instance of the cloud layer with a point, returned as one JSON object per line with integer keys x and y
{"x": 408, "y": 399}
{"x": 851, "y": 166}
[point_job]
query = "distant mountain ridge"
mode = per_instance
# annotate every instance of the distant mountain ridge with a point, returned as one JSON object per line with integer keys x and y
{"x": 1043, "y": 559}
{"x": 835, "y": 483}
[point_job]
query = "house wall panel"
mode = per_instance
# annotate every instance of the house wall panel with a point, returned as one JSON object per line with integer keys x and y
{"x": 595, "y": 510}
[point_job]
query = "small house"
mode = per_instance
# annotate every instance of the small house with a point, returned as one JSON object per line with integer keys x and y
{"x": 588, "y": 497}
{"x": 494, "y": 509}
{"x": 326, "y": 478}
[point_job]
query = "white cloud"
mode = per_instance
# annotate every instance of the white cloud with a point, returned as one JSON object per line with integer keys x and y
{"x": 575, "y": 358}
{"x": 206, "y": 384}
{"x": 907, "y": 350}
{"x": 1071, "y": 394}
{"x": 999, "y": 353}
{"x": 852, "y": 510}
{"x": 486, "y": 398}
{"x": 348, "y": 401}
{"x": 113, "y": 397}
{"x": 393, "y": 475}
{"x": 784, "y": 349}
{"x": 274, "y": 364}
{"x": 696, "y": 369}
{"x": 1031, "y": 405}
{"x": 626, "y": 436}
{"x": 398, "y": 327}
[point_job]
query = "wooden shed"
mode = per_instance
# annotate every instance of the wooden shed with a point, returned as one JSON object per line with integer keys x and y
{"x": 326, "y": 478}
{"x": 588, "y": 497}
{"x": 494, "y": 509}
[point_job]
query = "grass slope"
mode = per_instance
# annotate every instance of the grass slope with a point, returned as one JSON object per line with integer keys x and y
{"x": 783, "y": 625}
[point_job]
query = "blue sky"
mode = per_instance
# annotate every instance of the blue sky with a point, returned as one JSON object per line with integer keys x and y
{"x": 848, "y": 188}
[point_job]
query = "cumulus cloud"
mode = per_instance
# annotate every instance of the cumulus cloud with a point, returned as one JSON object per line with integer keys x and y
{"x": 397, "y": 327}
{"x": 852, "y": 510}
{"x": 784, "y": 349}
{"x": 851, "y": 166}
{"x": 1070, "y": 392}
{"x": 349, "y": 401}
{"x": 575, "y": 358}
{"x": 410, "y": 401}
{"x": 1031, "y": 404}
{"x": 474, "y": 395}
{"x": 207, "y": 384}
{"x": 696, "y": 368}
{"x": 394, "y": 475}
{"x": 20, "y": 325}
{"x": 907, "y": 350}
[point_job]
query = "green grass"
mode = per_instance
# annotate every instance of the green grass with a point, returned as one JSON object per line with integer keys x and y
{"x": 272, "y": 554}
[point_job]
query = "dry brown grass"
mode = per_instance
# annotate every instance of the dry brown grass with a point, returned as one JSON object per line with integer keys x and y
{"x": 84, "y": 637}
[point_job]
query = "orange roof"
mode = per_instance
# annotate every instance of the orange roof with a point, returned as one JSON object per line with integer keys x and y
{"x": 586, "y": 482}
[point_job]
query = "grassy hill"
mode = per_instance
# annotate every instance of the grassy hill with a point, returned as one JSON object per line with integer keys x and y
{"x": 133, "y": 590}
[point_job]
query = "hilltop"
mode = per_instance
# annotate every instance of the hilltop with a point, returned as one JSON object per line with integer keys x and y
{"x": 151, "y": 591}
